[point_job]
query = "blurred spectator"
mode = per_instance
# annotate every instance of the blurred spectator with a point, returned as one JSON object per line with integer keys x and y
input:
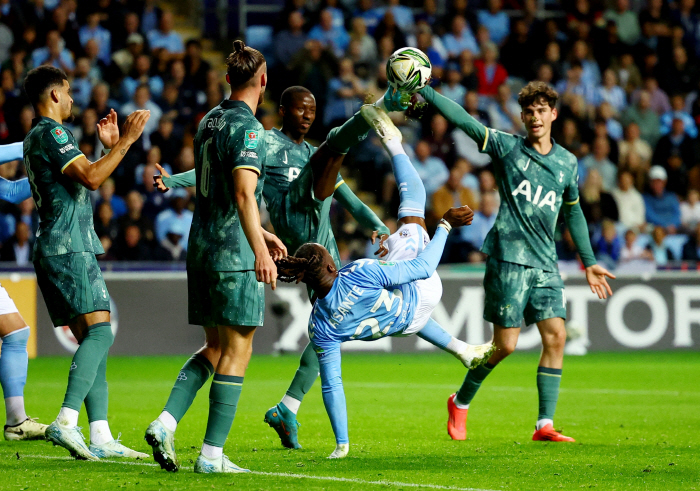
{"x": 452, "y": 88}
{"x": 627, "y": 73}
{"x": 165, "y": 38}
{"x": 100, "y": 100}
{"x": 608, "y": 247}
{"x": 659, "y": 248}
{"x": 291, "y": 40}
{"x": 53, "y": 53}
{"x": 632, "y": 251}
{"x": 598, "y": 160}
{"x": 658, "y": 99}
{"x": 424, "y": 42}
{"x": 484, "y": 218}
{"x": 495, "y": 20}
{"x": 132, "y": 247}
{"x": 366, "y": 43}
{"x": 596, "y": 203}
{"x": 388, "y": 28}
{"x": 690, "y": 210}
{"x": 142, "y": 100}
{"x": 453, "y": 194}
{"x": 168, "y": 143}
{"x": 335, "y": 38}
{"x": 124, "y": 59}
{"x": 18, "y": 248}
{"x": 105, "y": 224}
{"x": 170, "y": 248}
{"x": 626, "y": 21}
{"x": 441, "y": 143}
{"x": 607, "y": 113}
{"x": 662, "y": 207}
{"x": 573, "y": 84}
{"x": 504, "y": 112}
{"x": 630, "y": 203}
{"x": 516, "y": 54}
{"x": 634, "y": 144}
{"x": 196, "y": 68}
{"x": 600, "y": 130}
{"x": 176, "y": 213}
{"x": 691, "y": 249}
{"x": 93, "y": 30}
{"x": 682, "y": 75}
{"x": 432, "y": 170}
{"x": 134, "y": 216}
{"x": 345, "y": 94}
{"x": 570, "y": 137}
{"x": 372, "y": 16}
{"x": 678, "y": 112}
{"x": 672, "y": 152}
{"x": 154, "y": 201}
{"x": 645, "y": 117}
{"x": 140, "y": 75}
{"x": 460, "y": 38}
{"x": 611, "y": 93}
{"x": 81, "y": 86}
{"x": 580, "y": 53}
{"x": 490, "y": 73}
{"x": 116, "y": 202}
{"x": 402, "y": 14}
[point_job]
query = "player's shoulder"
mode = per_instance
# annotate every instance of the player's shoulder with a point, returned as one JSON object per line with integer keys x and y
{"x": 564, "y": 157}
{"x": 358, "y": 267}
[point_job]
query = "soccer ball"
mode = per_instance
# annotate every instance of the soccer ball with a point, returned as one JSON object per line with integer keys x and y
{"x": 408, "y": 70}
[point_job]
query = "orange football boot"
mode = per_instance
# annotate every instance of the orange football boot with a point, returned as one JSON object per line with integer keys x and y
{"x": 548, "y": 434}
{"x": 457, "y": 422}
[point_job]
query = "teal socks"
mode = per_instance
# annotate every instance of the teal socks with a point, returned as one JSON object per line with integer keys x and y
{"x": 193, "y": 374}
{"x": 548, "y": 380}
{"x": 223, "y": 400}
{"x": 306, "y": 374}
{"x": 353, "y": 131}
{"x": 97, "y": 400}
{"x": 86, "y": 364}
{"x": 472, "y": 382}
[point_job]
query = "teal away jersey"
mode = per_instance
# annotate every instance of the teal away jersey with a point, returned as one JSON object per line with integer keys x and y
{"x": 228, "y": 138}
{"x": 533, "y": 188}
{"x": 65, "y": 211}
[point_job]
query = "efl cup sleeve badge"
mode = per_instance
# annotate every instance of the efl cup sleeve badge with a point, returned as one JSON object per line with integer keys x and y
{"x": 60, "y": 135}
{"x": 251, "y": 139}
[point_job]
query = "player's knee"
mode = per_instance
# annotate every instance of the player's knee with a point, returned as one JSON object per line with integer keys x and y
{"x": 505, "y": 347}
{"x": 554, "y": 340}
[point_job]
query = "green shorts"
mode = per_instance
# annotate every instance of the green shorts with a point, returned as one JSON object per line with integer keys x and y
{"x": 71, "y": 285}
{"x": 225, "y": 298}
{"x": 514, "y": 292}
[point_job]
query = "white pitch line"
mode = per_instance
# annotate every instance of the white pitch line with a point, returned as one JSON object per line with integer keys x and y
{"x": 280, "y": 474}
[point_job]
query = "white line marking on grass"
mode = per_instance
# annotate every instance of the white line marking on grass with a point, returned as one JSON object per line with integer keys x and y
{"x": 278, "y": 474}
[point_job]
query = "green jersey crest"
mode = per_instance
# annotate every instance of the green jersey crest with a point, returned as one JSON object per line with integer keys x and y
{"x": 251, "y": 139}
{"x": 60, "y": 135}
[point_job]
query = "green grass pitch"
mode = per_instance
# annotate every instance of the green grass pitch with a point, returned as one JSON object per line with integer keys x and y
{"x": 636, "y": 418}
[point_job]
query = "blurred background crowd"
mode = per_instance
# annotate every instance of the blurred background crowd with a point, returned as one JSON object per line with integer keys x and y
{"x": 626, "y": 70}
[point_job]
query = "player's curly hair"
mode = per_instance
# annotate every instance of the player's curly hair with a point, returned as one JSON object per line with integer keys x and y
{"x": 242, "y": 64}
{"x": 305, "y": 265}
{"x": 536, "y": 92}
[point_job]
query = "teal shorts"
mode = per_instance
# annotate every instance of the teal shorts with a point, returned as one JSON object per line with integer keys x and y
{"x": 225, "y": 298}
{"x": 72, "y": 285}
{"x": 514, "y": 292}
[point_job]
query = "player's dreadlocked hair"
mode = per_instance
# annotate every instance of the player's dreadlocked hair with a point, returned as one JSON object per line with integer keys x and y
{"x": 305, "y": 265}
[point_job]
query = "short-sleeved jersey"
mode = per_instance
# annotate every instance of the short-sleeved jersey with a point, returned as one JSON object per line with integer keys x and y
{"x": 533, "y": 188}
{"x": 297, "y": 218}
{"x": 360, "y": 307}
{"x": 65, "y": 211}
{"x": 228, "y": 138}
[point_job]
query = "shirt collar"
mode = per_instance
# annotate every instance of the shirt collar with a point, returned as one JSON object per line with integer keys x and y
{"x": 229, "y": 104}
{"x": 38, "y": 120}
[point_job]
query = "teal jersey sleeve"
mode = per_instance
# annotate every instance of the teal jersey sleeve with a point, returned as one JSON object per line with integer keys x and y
{"x": 246, "y": 150}
{"x": 359, "y": 211}
{"x": 60, "y": 147}
{"x": 181, "y": 180}
{"x": 579, "y": 232}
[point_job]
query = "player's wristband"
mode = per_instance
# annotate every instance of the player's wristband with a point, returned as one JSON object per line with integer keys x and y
{"x": 445, "y": 224}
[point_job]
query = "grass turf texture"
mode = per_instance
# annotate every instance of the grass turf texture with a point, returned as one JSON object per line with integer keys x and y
{"x": 635, "y": 417}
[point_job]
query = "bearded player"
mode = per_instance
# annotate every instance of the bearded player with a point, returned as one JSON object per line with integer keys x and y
{"x": 536, "y": 178}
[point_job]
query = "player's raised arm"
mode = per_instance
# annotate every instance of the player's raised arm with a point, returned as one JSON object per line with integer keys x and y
{"x": 457, "y": 115}
{"x": 11, "y": 152}
{"x": 93, "y": 174}
{"x": 165, "y": 181}
{"x": 423, "y": 266}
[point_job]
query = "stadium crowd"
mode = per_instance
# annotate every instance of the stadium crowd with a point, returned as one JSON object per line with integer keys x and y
{"x": 627, "y": 73}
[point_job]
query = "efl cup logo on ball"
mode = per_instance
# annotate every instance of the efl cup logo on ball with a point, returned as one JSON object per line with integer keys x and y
{"x": 68, "y": 341}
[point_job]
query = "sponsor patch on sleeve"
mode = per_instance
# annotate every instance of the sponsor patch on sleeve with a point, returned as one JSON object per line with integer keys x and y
{"x": 251, "y": 139}
{"x": 387, "y": 263}
{"x": 60, "y": 135}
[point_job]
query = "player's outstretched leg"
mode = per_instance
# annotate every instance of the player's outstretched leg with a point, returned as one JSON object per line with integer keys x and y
{"x": 160, "y": 434}
{"x": 470, "y": 355}
{"x": 102, "y": 443}
{"x": 13, "y": 377}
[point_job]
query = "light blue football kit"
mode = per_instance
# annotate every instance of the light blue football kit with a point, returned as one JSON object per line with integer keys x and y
{"x": 13, "y": 191}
